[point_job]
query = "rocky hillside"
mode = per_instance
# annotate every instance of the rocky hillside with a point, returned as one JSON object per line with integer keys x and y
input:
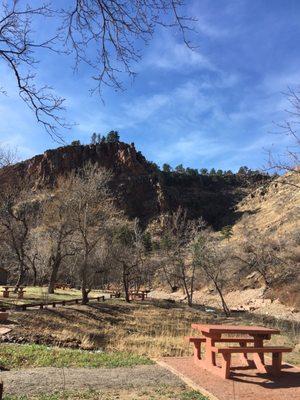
{"x": 273, "y": 210}
{"x": 141, "y": 189}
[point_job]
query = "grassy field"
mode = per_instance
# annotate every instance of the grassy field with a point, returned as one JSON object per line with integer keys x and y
{"x": 158, "y": 393}
{"x": 40, "y": 295}
{"x": 148, "y": 329}
{"x": 32, "y": 355}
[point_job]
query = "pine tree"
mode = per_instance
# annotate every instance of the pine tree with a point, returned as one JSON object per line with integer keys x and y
{"x": 94, "y": 138}
{"x": 112, "y": 137}
{"x": 180, "y": 169}
{"x": 166, "y": 168}
{"x": 226, "y": 232}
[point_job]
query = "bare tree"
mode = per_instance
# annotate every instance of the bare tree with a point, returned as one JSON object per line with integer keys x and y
{"x": 15, "y": 220}
{"x": 289, "y": 160}
{"x": 58, "y": 229}
{"x": 177, "y": 236}
{"x": 262, "y": 255}
{"x": 33, "y": 258}
{"x": 93, "y": 214}
{"x": 7, "y": 156}
{"x": 210, "y": 256}
{"x": 105, "y": 35}
{"x": 127, "y": 250}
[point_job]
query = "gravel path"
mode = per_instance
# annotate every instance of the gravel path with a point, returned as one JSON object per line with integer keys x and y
{"x": 49, "y": 380}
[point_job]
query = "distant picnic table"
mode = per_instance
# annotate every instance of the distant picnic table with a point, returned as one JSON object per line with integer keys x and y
{"x": 138, "y": 294}
{"x": 255, "y": 335}
{"x": 7, "y": 290}
{"x": 63, "y": 286}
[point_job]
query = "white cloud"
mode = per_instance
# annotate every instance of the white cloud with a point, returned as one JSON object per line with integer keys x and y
{"x": 190, "y": 147}
{"x": 144, "y": 107}
{"x": 168, "y": 54}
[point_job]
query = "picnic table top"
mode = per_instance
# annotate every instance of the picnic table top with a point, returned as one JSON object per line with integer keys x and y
{"x": 207, "y": 328}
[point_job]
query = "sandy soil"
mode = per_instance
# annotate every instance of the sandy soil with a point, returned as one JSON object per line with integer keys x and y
{"x": 248, "y": 299}
{"x": 50, "y": 380}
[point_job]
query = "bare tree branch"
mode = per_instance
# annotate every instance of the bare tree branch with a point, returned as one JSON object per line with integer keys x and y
{"x": 289, "y": 160}
{"x": 106, "y": 35}
{"x": 114, "y": 27}
{"x": 7, "y": 156}
{"x": 17, "y": 50}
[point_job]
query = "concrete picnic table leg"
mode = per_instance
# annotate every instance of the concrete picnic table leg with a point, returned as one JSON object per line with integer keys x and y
{"x": 276, "y": 363}
{"x": 210, "y": 356}
{"x": 259, "y": 358}
{"x": 244, "y": 356}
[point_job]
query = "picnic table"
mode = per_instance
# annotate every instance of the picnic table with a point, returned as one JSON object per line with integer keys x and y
{"x": 6, "y": 291}
{"x": 63, "y": 286}
{"x": 254, "y": 335}
{"x": 21, "y": 292}
{"x": 139, "y": 294}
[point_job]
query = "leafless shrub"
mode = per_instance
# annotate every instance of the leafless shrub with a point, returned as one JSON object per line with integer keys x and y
{"x": 177, "y": 235}
{"x": 210, "y": 256}
{"x": 7, "y": 156}
{"x": 263, "y": 255}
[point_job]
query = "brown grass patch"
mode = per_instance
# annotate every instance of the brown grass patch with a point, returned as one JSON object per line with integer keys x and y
{"x": 153, "y": 329}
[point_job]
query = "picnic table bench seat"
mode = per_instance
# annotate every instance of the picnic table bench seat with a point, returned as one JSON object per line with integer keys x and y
{"x": 257, "y": 355}
{"x": 197, "y": 343}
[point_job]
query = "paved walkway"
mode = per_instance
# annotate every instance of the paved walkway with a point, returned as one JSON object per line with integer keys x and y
{"x": 48, "y": 380}
{"x": 244, "y": 385}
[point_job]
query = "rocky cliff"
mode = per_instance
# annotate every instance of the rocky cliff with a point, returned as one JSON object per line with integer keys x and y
{"x": 141, "y": 189}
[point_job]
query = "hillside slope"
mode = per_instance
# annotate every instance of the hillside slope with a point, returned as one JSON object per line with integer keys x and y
{"x": 273, "y": 212}
{"x": 274, "y": 209}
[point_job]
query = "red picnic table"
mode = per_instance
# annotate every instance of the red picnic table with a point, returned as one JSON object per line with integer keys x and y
{"x": 254, "y": 335}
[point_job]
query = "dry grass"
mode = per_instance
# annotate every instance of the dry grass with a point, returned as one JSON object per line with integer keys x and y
{"x": 150, "y": 329}
{"x": 148, "y": 393}
{"x": 39, "y": 295}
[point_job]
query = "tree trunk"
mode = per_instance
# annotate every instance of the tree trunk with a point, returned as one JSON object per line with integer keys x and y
{"x": 85, "y": 295}
{"x": 34, "y": 283}
{"x": 172, "y": 287}
{"x": 53, "y": 276}
{"x": 84, "y": 290}
{"x": 188, "y": 293}
{"x": 126, "y": 283}
{"x": 224, "y": 305}
{"x": 21, "y": 277}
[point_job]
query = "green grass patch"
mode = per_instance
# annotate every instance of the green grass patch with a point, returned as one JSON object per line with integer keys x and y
{"x": 25, "y": 356}
{"x": 193, "y": 395}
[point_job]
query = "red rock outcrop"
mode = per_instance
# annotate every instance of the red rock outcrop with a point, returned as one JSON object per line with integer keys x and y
{"x": 141, "y": 189}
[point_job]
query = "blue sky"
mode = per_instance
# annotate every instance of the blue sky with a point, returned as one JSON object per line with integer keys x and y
{"x": 214, "y": 107}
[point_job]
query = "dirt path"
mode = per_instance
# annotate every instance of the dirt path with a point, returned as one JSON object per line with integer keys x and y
{"x": 48, "y": 380}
